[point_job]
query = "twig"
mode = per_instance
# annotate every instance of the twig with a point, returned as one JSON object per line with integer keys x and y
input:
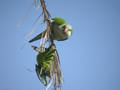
{"x": 56, "y": 67}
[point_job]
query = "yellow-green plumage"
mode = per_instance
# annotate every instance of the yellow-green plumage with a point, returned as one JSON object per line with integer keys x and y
{"x": 44, "y": 61}
{"x": 59, "y": 21}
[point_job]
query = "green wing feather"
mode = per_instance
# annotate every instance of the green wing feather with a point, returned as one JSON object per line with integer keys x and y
{"x": 44, "y": 61}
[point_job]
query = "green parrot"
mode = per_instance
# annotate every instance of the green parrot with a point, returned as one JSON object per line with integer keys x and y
{"x": 44, "y": 60}
{"x": 60, "y": 30}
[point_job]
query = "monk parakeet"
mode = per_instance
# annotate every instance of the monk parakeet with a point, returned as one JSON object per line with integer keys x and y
{"x": 59, "y": 28}
{"x": 45, "y": 58}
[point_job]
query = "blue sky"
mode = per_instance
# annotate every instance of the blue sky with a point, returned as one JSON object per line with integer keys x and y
{"x": 90, "y": 59}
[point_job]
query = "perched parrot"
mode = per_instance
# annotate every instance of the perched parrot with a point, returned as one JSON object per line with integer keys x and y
{"x": 44, "y": 61}
{"x": 60, "y": 30}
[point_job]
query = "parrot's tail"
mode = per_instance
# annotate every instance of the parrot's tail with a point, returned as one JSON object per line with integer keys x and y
{"x": 41, "y": 35}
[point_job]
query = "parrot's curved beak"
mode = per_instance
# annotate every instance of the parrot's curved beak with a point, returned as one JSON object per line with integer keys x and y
{"x": 65, "y": 30}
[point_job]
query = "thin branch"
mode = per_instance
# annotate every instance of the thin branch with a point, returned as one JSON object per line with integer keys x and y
{"x": 56, "y": 69}
{"x": 47, "y": 17}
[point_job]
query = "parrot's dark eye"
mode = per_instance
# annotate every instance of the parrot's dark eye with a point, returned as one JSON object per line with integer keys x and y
{"x": 64, "y": 26}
